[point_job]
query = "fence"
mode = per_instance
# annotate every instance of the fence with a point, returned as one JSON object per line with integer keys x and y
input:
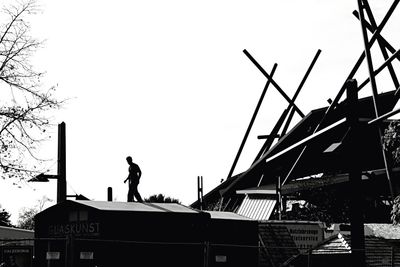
{"x": 67, "y": 252}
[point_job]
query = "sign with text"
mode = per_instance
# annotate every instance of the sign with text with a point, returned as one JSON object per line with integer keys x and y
{"x": 75, "y": 228}
{"x": 305, "y": 235}
{"x": 86, "y": 255}
{"x": 20, "y": 256}
{"x": 52, "y": 255}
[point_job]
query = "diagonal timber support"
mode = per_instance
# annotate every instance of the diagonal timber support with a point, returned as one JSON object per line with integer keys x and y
{"x": 251, "y": 122}
{"x": 273, "y": 82}
{"x": 334, "y": 103}
{"x": 374, "y": 91}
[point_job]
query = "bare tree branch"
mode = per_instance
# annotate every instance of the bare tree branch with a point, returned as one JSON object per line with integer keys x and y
{"x": 24, "y": 115}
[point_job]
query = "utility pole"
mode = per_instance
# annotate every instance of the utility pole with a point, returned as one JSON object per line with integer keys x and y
{"x": 61, "y": 165}
{"x": 61, "y": 175}
{"x": 356, "y": 195}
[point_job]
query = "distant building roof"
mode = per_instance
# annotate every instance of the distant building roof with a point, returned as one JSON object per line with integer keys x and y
{"x": 135, "y": 206}
{"x": 277, "y": 244}
{"x": 15, "y": 233}
{"x": 257, "y": 207}
{"x": 379, "y": 250}
{"x": 382, "y": 230}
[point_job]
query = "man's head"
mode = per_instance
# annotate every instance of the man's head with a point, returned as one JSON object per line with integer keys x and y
{"x": 129, "y": 159}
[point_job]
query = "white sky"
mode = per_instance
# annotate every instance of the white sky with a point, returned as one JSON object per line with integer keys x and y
{"x": 167, "y": 83}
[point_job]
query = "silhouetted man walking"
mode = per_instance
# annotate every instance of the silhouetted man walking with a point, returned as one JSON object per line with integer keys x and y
{"x": 134, "y": 175}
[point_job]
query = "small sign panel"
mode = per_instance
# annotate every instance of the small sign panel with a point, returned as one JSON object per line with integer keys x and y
{"x": 220, "y": 258}
{"x": 16, "y": 256}
{"x": 52, "y": 255}
{"x": 86, "y": 255}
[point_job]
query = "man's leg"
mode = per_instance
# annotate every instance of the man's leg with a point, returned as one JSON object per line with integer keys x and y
{"x": 130, "y": 194}
{"x": 136, "y": 193}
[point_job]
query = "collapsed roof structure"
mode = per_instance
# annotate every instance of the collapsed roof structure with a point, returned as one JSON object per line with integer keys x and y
{"x": 315, "y": 152}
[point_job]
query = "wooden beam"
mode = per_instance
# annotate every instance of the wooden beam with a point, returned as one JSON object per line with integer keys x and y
{"x": 273, "y": 82}
{"x": 253, "y": 118}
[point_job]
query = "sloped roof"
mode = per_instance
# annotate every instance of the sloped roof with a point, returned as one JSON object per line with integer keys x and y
{"x": 373, "y": 177}
{"x": 256, "y": 207}
{"x": 130, "y": 206}
{"x": 382, "y": 230}
{"x": 337, "y": 244}
{"x": 224, "y": 215}
{"x": 379, "y": 251}
{"x": 314, "y": 160}
{"x": 277, "y": 244}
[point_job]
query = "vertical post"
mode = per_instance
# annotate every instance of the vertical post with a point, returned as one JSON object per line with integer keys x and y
{"x": 392, "y": 256}
{"x": 356, "y": 197}
{"x": 200, "y": 191}
{"x": 61, "y": 165}
{"x": 69, "y": 255}
{"x": 279, "y": 198}
{"x": 48, "y": 250}
{"x": 109, "y": 194}
{"x": 206, "y": 251}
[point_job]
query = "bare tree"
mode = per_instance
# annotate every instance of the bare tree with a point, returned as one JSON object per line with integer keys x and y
{"x": 26, "y": 218}
{"x": 24, "y": 103}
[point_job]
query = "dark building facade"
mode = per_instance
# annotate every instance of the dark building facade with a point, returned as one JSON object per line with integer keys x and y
{"x": 96, "y": 233}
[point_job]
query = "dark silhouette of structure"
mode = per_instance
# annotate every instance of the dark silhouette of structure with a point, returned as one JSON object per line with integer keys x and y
{"x": 134, "y": 176}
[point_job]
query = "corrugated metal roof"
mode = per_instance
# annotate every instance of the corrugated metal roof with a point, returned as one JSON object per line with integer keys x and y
{"x": 257, "y": 207}
{"x": 135, "y": 206}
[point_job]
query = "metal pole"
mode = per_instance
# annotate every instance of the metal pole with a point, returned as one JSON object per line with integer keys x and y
{"x": 356, "y": 197}
{"x": 279, "y": 197}
{"x": 61, "y": 165}
{"x": 251, "y": 122}
{"x": 200, "y": 192}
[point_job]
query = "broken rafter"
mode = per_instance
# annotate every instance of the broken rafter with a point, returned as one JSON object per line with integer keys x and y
{"x": 381, "y": 45}
{"x": 382, "y": 67}
{"x": 375, "y": 36}
{"x": 289, "y": 119}
{"x": 384, "y": 117}
{"x": 251, "y": 122}
{"x": 334, "y": 103}
{"x": 273, "y": 82}
{"x": 267, "y": 145}
{"x": 374, "y": 90}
